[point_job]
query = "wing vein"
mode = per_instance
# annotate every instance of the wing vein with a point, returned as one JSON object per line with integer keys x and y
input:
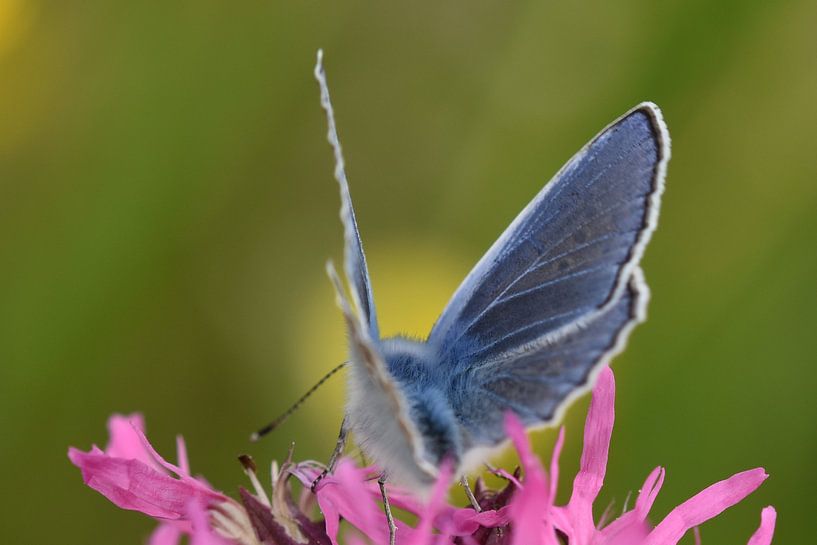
{"x": 508, "y": 335}
{"x": 584, "y": 246}
{"x": 530, "y": 268}
{"x": 551, "y": 282}
{"x": 594, "y": 179}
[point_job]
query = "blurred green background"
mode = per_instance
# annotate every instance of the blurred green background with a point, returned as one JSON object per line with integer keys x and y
{"x": 167, "y": 208}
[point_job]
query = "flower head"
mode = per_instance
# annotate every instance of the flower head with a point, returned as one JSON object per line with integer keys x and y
{"x": 132, "y": 475}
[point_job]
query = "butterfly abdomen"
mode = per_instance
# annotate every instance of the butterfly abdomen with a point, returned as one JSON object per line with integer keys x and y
{"x": 437, "y": 424}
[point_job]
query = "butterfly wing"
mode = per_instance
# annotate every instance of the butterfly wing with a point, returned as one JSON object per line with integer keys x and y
{"x": 377, "y": 409}
{"x": 354, "y": 260}
{"x": 570, "y": 253}
{"x": 354, "y": 263}
{"x": 539, "y": 383}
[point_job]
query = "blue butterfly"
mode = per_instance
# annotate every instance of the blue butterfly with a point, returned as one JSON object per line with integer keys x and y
{"x": 545, "y": 309}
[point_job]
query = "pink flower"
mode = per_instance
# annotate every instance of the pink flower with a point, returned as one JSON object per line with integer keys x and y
{"x": 531, "y": 517}
{"x": 133, "y": 476}
{"x": 575, "y": 520}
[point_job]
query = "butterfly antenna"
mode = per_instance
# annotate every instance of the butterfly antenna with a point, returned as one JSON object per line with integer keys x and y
{"x": 295, "y": 406}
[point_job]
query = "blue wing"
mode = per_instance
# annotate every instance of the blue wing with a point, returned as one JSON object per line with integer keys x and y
{"x": 355, "y": 263}
{"x": 569, "y": 254}
{"x": 354, "y": 260}
{"x": 539, "y": 383}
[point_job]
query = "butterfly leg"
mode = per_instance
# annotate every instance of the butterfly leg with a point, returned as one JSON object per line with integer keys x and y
{"x": 387, "y": 508}
{"x": 333, "y": 458}
{"x": 471, "y": 498}
{"x": 475, "y": 504}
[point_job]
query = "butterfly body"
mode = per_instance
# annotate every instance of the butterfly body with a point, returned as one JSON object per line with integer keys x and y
{"x": 408, "y": 453}
{"x": 446, "y": 410}
{"x": 544, "y": 310}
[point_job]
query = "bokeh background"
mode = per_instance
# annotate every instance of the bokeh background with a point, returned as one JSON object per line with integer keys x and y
{"x": 167, "y": 207}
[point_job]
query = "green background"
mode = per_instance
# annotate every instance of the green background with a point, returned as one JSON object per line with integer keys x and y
{"x": 167, "y": 206}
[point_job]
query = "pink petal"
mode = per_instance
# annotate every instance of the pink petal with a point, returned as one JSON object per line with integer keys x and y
{"x": 132, "y": 484}
{"x": 423, "y": 533}
{"x": 508, "y": 477}
{"x": 632, "y": 525}
{"x": 166, "y": 533}
{"x": 706, "y": 504}
{"x": 534, "y": 473}
{"x": 181, "y": 455}
{"x": 763, "y": 535}
{"x": 598, "y": 429}
{"x": 124, "y": 441}
{"x": 355, "y": 539}
{"x": 345, "y": 494}
{"x": 531, "y": 505}
{"x": 128, "y": 441}
{"x": 462, "y": 522}
{"x": 554, "y": 462}
{"x": 649, "y": 491}
{"x": 183, "y": 475}
{"x": 447, "y": 519}
{"x": 399, "y": 498}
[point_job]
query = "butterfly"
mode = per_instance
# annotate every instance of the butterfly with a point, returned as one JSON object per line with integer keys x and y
{"x": 543, "y": 311}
